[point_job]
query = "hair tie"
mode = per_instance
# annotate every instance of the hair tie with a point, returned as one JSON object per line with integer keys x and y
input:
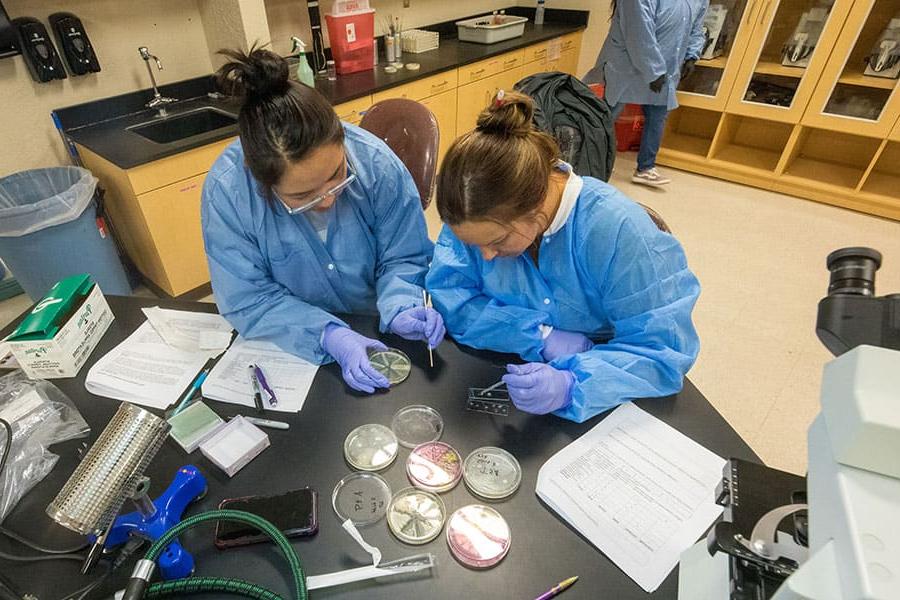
{"x": 498, "y": 102}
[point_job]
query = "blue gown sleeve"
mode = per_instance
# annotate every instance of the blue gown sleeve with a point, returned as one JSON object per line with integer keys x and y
{"x": 648, "y": 292}
{"x": 698, "y": 38}
{"x": 403, "y": 249}
{"x": 472, "y": 317}
{"x": 638, "y": 21}
{"x": 255, "y": 304}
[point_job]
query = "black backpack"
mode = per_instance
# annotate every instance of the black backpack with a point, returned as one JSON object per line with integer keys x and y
{"x": 580, "y": 122}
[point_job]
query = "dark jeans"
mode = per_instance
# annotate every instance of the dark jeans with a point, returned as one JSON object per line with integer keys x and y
{"x": 654, "y": 124}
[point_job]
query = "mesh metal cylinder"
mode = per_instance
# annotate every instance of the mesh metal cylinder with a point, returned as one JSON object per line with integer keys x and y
{"x": 110, "y": 471}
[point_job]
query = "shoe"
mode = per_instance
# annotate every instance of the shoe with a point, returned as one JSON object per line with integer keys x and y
{"x": 650, "y": 177}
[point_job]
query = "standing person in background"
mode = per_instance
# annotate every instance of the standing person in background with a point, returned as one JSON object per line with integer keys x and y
{"x": 651, "y": 45}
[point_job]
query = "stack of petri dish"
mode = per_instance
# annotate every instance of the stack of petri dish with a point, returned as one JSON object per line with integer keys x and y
{"x": 434, "y": 467}
{"x": 478, "y": 536}
{"x": 492, "y": 473}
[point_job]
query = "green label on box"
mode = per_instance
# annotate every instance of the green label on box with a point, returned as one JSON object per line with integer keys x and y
{"x": 52, "y": 312}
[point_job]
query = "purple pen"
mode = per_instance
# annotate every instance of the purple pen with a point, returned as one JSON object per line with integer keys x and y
{"x": 273, "y": 399}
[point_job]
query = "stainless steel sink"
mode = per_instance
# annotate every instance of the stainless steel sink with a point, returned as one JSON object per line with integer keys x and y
{"x": 178, "y": 127}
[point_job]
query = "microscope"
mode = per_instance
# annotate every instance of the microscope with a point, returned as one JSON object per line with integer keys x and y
{"x": 835, "y": 534}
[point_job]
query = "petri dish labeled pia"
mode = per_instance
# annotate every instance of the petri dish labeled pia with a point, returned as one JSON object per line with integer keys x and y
{"x": 492, "y": 473}
{"x": 478, "y": 536}
{"x": 370, "y": 447}
{"x": 416, "y": 516}
{"x": 434, "y": 467}
{"x": 361, "y": 497}
{"x": 417, "y": 424}
{"x": 392, "y": 363}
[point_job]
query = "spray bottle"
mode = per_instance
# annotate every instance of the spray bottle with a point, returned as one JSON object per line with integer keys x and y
{"x": 304, "y": 71}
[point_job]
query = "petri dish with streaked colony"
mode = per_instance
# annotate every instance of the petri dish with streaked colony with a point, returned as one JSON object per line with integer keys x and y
{"x": 371, "y": 447}
{"x": 434, "y": 467}
{"x": 392, "y": 363}
{"x": 416, "y": 516}
{"x": 478, "y": 536}
{"x": 492, "y": 473}
{"x": 361, "y": 497}
{"x": 417, "y": 424}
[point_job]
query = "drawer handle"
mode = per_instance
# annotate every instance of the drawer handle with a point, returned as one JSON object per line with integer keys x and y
{"x": 541, "y": 52}
{"x": 437, "y": 86}
{"x": 511, "y": 63}
{"x": 478, "y": 72}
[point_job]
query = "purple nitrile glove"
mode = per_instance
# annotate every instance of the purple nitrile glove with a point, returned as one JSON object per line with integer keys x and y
{"x": 420, "y": 323}
{"x": 564, "y": 343}
{"x": 538, "y": 388}
{"x": 351, "y": 351}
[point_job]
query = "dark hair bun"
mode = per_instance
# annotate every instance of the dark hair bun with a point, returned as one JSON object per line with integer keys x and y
{"x": 508, "y": 115}
{"x": 256, "y": 75}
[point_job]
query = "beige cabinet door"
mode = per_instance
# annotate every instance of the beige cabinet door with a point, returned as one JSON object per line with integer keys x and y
{"x": 789, "y": 47}
{"x": 474, "y": 97}
{"x": 172, "y": 214}
{"x": 851, "y": 97}
{"x": 352, "y": 111}
{"x": 443, "y": 107}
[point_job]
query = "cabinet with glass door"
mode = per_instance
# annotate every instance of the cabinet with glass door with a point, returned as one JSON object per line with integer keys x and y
{"x": 857, "y": 92}
{"x": 790, "y": 44}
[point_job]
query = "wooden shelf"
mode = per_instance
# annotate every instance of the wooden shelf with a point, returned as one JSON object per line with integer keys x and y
{"x": 687, "y": 144}
{"x": 862, "y": 80}
{"x": 825, "y": 172}
{"x": 883, "y": 184}
{"x": 714, "y": 63}
{"x": 748, "y": 156}
{"x": 773, "y": 68}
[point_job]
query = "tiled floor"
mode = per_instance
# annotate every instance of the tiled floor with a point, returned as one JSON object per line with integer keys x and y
{"x": 760, "y": 257}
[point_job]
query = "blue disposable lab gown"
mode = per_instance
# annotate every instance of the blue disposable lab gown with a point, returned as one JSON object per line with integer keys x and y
{"x": 608, "y": 273}
{"x": 274, "y": 277}
{"x": 649, "y": 38}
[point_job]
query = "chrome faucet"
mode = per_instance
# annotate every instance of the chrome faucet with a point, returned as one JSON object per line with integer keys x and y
{"x": 158, "y": 99}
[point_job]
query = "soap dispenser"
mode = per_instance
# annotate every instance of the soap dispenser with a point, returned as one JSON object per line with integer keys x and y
{"x": 304, "y": 71}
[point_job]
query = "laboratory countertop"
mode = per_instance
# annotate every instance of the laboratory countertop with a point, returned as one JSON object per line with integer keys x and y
{"x": 102, "y": 126}
{"x": 544, "y": 551}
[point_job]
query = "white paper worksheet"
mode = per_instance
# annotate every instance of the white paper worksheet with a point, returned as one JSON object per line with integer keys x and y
{"x": 639, "y": 490}
{"x": 145, "y": 370}
{"x": 289, "y": 376}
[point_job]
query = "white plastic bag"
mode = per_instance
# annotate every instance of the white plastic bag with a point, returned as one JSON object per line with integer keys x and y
{"x": 39, "y": 198}
{"x": 40, "y": 415}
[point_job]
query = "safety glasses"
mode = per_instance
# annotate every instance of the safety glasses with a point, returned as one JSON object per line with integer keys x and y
{"x": 333, "y": 192}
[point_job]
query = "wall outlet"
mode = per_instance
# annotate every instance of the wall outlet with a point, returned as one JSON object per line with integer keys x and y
{"x": 406, "y": 3}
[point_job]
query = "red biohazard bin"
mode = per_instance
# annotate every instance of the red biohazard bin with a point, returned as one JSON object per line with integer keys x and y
{"x": 629, "y": 125}
{"x": 352, "y": 38}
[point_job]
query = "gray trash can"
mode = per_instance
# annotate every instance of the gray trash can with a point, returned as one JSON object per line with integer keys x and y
{"x": 49, "y": 230}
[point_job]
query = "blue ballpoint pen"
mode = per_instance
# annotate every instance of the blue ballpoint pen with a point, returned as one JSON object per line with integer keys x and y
{"x": 273, "y": 399}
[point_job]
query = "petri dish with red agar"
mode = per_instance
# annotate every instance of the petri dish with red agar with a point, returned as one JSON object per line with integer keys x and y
{"x": 478, "y": 536}
{"x": 434, "y": 467}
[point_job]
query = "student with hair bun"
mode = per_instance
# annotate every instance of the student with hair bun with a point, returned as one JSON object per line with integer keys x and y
{"x": 304, "y": 217}
{"x": 562, "y": 270}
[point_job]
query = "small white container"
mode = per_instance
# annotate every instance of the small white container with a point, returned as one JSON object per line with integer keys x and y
{"x": 234, "y": 445}
{"x": 416, "y": 41}
{"x": 490, "y": 29}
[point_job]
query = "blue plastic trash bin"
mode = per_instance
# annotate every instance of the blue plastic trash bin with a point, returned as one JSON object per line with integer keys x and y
{"x": 48, "y": 231}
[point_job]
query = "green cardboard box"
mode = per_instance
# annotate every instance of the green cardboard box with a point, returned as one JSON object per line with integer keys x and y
{"x": 61, "y": 331}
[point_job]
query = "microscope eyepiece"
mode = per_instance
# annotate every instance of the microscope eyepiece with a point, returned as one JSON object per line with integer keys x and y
{"x": 853, "y": 271}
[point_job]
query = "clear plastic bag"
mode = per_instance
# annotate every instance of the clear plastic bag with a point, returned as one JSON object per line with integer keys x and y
{"x": 34, "y": 200}
{"x": 40, "y": 415}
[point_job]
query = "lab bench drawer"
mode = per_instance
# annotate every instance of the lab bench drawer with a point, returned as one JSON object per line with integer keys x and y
{"x": 421, "y": 89}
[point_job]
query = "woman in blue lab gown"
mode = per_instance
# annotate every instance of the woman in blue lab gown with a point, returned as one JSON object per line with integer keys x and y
{"x": 562, "y": 270}
{"x": 651, "y": 45}
{"x": 304, "y": 217}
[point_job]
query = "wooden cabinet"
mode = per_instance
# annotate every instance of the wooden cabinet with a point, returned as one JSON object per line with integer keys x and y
{"x": 474, "y": 97}
{"x": 155, "y": 211}
{"x": 443, "y": 107}
{"x": 421, "y": 89}
{"x": 817, "y": 127}
{"x": 352, "y": 111}
{"x": 847, "y": 99}
{"x": 780, "y": 67}
{"x": 490, "y": 67}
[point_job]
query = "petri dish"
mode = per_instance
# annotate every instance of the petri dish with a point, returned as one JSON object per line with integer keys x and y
{"x": 492, "y": 473}
{"x": 434, "y": 467}
{"x": 417, "y": 424}
{"x": 361, "y": 497}
{"x": 478, "y": 536}
{"x": 416, "y": 516}
{"x": 392, "y": 363}
{"x": 371, "y": 447}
